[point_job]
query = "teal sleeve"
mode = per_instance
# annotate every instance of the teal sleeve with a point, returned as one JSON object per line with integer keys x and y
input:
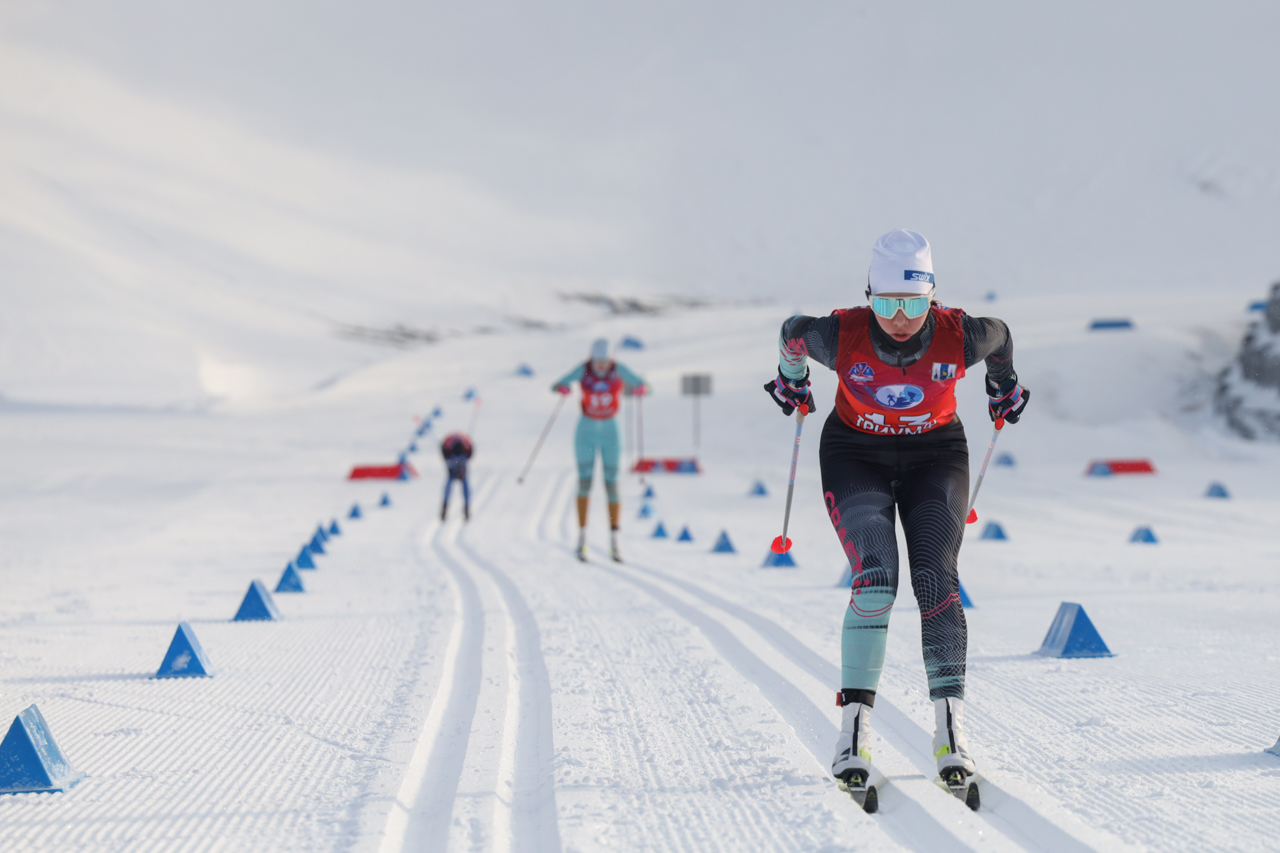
{"x": 793, "y": 356}
{"x": 570, "y": 377}
{"x": 629, "y": 379}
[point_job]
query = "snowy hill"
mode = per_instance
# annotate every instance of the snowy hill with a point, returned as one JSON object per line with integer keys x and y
{"x": 245, "y": 244}
{"x": 202, "y": 195}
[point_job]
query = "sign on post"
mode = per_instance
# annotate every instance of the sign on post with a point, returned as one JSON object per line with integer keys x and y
{"x": 697, "y": 386}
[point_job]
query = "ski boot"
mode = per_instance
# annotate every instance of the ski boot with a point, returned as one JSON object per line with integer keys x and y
{"x": 466, "y": 512}
{"x": 852, "y": 765}
{"x": 582, "y": 544}
{"x": 613, "y": 547}
{"x": 956, "y": 769}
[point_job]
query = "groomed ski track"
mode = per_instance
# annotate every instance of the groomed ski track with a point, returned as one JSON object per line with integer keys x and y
{"x": 696, "y": 723}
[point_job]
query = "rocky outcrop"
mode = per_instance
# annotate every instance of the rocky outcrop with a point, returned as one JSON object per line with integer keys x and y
{"x": 1248, "y": 393}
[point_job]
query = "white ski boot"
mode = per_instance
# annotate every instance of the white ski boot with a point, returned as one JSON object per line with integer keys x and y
{"x": 852, "y": 764}
{"x": 613, "y": 546}
{"x": 582, "y": 544}
{"x": 956, "y": 768}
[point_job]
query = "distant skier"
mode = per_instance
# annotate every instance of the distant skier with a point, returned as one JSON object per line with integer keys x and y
{"x": 893, "y": 440}
{"x": 456, "y": 450}
{"x": 603, "y": 383}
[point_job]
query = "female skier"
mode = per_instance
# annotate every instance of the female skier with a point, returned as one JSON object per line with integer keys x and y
{"x": 893, "y": 440}
{"x": 603, "y": 383}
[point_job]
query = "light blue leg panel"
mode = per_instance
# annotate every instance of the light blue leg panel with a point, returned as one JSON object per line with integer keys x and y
{"x": 862, "y": 642}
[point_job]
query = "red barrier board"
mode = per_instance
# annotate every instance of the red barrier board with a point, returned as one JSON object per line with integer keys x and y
{"x": 1106, "y": 467}
{"x": 403, "y": 471}
{"x": 669, "y": 466}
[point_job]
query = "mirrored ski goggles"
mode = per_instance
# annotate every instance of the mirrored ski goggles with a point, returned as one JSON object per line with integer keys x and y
{"x": 912, "y": 306}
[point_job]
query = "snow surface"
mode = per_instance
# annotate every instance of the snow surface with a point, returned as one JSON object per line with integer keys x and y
{"x": 244, "y": 244}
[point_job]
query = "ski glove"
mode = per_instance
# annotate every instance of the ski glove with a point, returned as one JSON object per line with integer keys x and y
{"x": 790, "y": 393}
{"x": 1006, "y": 399}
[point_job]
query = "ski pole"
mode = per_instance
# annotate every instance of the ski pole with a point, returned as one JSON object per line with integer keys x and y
{"x": 995, "y": 433}
{"x": 782, "y": 544}
{"x": 640, "y": 433}
{"x": 546, "y": 429}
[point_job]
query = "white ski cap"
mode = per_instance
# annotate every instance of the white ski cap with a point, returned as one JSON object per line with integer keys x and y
{"x": 600, "y": 350}
{"x": 901, "y": 262}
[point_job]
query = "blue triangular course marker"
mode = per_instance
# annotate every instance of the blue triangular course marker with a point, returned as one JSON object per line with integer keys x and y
{"x": 1144, "y": 534}
{"x": 1099, "y": 469}
{"x": 355, "y": 512}
{"x": 648, "y": 492}
{"x": 659, "y": 532}
{"x": 758, "y": 490}
{"x": 404, "y": 472}
{"x": 413, "y": 448}
{"x": 966, "y": 602}
{"x": 778, "y": 561}
{"x": 30, "y": 760}
{"x": 1275, "y": 750}
{"x": 470, "y": 394}
{"x": 846, "y": 577}
{"x": 400, "y": 460}
{"x": 316, "y": 545}
{"x": 386, "y": 500}
{"x": 322, "y": 533}
{"x": 645, "y": 511}
{"x": 437, "y": 412}
{"x": 993, "y": 530}
{"x": 629, "y": 342}
{"x": 1072, "y": 635}
{"x": 257, "y": 605}
{"x": 723, "y": 545}
{"x": 1217, "y": 490}
{"x": 186, "y": 657}
{"x": 685, "y": 535}
{"x": 1006, "y": 460}
{"x": 334, "y": 529}
{"x": 524, "y": 370}
{"x": 290, "y": 581}
{"x": 303, "y": 560}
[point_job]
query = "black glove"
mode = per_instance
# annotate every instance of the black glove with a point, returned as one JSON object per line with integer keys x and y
{"x": 791, "y": 393}
{"x": 1006, "y": 399}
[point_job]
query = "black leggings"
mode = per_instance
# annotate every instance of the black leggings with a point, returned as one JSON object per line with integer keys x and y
{"x": 926, "y": 477}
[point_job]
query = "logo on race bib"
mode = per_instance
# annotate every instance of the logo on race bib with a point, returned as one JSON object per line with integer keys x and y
{"x": 943, "y": 372}
{"x": 862, "y": 372}
{"x": 899, "y": 396}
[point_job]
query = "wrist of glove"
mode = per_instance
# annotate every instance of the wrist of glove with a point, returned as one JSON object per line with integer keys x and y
{"x": 1007, "y": 399}
{"x": 790, "y": 394}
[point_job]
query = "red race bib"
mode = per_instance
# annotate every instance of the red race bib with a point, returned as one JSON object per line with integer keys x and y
{"x": 601, "y": 393}
{"x": 878, "y": 398}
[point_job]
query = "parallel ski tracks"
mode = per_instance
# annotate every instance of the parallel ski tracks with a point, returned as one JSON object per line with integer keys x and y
{"x": 910, "y": 820}
{"x": 1004, "y": 812}
{"x": 481, "y": 775}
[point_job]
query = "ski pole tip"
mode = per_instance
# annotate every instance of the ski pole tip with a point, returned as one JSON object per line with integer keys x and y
{"x": 973, "y": 516}
{"x": 779, "y": 546}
